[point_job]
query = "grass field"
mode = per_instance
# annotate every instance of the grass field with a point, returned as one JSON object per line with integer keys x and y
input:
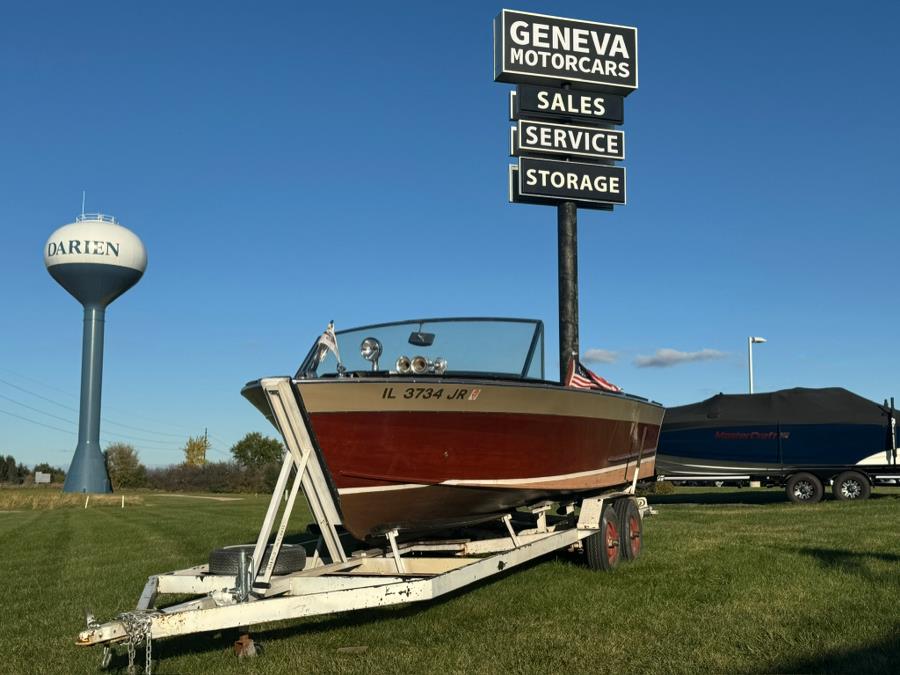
{"x": 731, "y": 581}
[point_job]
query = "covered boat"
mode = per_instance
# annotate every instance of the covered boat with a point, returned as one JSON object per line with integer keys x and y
{"x": 435, "y": 423}
{"x": 819, "y": 435}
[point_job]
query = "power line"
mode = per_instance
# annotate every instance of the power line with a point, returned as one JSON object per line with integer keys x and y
{"x": 44, "y": 398}
{"x": 43, "y": 412}
{"x": 111, "y": 433}
{"x": 66, "y": 407}
{"x": 40, "y": 424}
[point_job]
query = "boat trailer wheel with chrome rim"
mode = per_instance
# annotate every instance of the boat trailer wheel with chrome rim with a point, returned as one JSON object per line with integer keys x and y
{"x": 804, "y": 488}
{"x": 851, "y": 485}
{"x": 603, "y": 550}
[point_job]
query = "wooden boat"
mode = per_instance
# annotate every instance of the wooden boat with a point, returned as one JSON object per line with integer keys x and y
{"x": 462, "y": 426}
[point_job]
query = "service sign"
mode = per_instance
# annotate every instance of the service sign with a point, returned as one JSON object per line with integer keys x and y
{"x": 515, "y": 197}
{"x": 534, "y": 48}
{"x": 571, "y": 181}
{"x": 566, "y": 104}
{"x": 547, "y": 138}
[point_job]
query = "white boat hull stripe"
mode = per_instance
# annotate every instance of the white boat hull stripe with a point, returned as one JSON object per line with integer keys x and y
{"x": 492, "y": 483}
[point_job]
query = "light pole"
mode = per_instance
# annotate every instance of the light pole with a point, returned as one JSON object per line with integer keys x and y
{"x": 750, "y": 342}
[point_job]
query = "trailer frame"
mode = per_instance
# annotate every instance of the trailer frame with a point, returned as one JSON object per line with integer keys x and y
{"x": 333, "y": 579}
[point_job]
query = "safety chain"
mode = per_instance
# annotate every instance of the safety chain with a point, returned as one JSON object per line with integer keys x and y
{"x": 137, "y": 625}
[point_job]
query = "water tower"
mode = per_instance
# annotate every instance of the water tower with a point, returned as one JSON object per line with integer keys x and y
{"x": 96, "y": 260}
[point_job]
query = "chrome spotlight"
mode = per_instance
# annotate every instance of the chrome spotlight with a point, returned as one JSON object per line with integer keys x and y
{"x": 370, "y": 350}
{"x": 440, "y": 365}
{"x": 419, "y": 365}
{"x": 403, "y": 365}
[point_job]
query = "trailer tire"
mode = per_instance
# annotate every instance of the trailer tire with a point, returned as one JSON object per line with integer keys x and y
{"x": 851, "y": 485}
{"x": 804, "y": 488}
{"x": 631, "y": 529}
{"x": 603, "y": 550}
{"x": 226, "y": 560}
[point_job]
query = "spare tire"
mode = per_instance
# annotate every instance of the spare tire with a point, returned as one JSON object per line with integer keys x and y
{"x": 291, "y": 558}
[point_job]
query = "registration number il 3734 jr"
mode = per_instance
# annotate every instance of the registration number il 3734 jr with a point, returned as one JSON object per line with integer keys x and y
{"x": 447, "y": 393}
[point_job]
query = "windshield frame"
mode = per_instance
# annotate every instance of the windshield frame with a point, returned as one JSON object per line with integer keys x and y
{"x": 310, "y": 363}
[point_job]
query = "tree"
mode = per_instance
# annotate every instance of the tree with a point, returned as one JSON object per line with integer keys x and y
{"x": 12, "y": 470}
{"x": 124, "y": 467}
{"x": 4, "y": 474}
{"x": 256, "y": 450}
{"x": 195, "y": 451}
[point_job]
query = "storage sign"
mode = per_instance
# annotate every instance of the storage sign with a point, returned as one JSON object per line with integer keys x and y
{"x": 516, "y": 198}
{"x": 571, "y": 181}
{"x": 547, "y": 138}
{"x": 582, "y": 106}
{"x": 534, "y": 48}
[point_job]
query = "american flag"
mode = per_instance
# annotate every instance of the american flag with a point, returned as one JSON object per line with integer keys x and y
{"x": 583, "y": 378}
{"x": 327, "y": 342}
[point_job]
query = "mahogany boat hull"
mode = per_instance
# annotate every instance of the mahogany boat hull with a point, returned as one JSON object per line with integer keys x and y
{"x": 434, "y": 453}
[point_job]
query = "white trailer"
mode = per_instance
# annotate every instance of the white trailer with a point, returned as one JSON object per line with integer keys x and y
{"x": 607, "y": 527}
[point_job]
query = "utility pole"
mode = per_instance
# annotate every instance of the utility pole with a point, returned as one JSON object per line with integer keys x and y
{"x": 567, "y": 252}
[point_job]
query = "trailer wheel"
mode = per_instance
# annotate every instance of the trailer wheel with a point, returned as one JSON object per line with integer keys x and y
{"x": 291, "y": 558}
{"x": 851, "y": 485}
{"x": 631, "y": 528}
{"x": 603, "y": 550}
{"x": 804, "y": 488}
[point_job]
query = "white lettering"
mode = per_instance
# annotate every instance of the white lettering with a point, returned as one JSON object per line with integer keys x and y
{"x": 618, "y": 47}
{"x": 539, "y": 35}
{"x": 561, "y": 38}
{"x": 518, "y": 32}
{"x": 580, "y": 41}
{"x": 571, "y": 180}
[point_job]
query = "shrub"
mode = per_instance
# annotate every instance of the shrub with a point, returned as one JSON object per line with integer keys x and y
{"x": 124, "y": 467}
{"x": 210, "y": 477}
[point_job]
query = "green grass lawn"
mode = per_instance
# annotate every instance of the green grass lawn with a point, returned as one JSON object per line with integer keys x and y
{"x": 731, "y": 581}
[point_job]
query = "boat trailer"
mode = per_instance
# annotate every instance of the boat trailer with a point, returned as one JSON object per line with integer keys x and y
{"x": 333, "y": 580}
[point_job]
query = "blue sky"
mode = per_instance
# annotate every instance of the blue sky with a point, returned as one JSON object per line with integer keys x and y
{"x": 290, "y": 163}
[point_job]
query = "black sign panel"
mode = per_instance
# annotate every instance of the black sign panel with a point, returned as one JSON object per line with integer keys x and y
{"x": 516, "y": 197}
{"x": 547, "y": 138}
{"x": 569, "y": 104}
{"x": 552, "y": 50}
{"x": 571, "y": 181}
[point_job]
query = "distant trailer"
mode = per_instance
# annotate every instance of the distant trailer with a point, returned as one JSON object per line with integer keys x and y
{"x": 800, "y": 439}
{"x": 42, "y": 478}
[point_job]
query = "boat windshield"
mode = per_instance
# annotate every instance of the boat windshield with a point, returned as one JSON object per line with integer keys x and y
{"x": 471, "y": 346}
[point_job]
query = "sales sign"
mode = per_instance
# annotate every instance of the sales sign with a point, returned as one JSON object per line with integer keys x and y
{"x": 547, "y": 138}
{"x": 571, "y": 181}
{"x": 582, "y": 106}
{"x": 534, "y": 48}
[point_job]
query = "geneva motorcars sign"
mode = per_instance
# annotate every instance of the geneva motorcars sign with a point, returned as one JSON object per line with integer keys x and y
{"x": 534, "y": 48}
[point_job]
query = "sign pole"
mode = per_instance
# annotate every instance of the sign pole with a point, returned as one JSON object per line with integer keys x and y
{"x": 567, "y": 252}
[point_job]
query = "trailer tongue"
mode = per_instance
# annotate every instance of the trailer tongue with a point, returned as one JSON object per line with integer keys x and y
{"x": 607, "y": 527}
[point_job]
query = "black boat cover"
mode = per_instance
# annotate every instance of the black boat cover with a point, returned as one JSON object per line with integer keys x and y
{"x": 832, "y": 405}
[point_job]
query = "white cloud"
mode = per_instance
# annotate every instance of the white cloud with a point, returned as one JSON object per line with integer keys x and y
{"x": 599, "y": 356}
{"x": 665, "y": 357}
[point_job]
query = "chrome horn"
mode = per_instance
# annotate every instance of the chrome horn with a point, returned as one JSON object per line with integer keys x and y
{"x": 403, "y": 365}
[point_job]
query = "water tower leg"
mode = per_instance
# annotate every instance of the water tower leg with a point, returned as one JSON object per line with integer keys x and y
{"x": 87, "y": 473}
